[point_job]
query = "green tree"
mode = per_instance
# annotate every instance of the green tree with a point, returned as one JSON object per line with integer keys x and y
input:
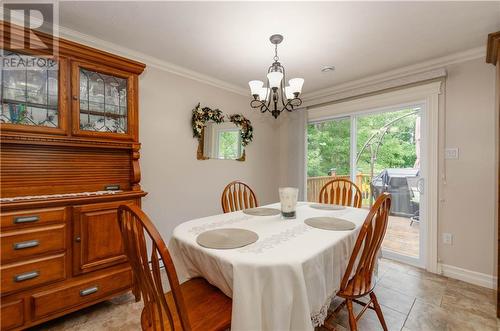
{"x": 329, "y": 143}
{"x": 328, "y": 147}
{"x": 229, "y": 144}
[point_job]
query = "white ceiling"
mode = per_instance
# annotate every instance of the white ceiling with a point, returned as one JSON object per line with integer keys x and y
{"x": 229, "y": 40}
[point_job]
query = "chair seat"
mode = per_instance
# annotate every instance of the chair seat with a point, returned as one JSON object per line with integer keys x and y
{"x": 357, "y": 287}
{"x": 207, "y": 308}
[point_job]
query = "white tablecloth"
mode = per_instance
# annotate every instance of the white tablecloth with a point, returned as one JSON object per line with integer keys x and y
{"x": 285, "y": 280}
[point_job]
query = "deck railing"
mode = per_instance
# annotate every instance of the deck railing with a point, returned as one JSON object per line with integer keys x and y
{"x": 314, "y": 185}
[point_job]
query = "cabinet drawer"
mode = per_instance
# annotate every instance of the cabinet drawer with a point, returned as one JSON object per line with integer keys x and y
{"x": 32, "y": 217}
{"x": 55, "y": 300}
{"x": 22, "y": 275}
{"x": 12, "y": 314}
{"x": 29, "y": 242}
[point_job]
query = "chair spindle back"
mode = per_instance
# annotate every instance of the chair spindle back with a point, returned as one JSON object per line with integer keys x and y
{"x": 237, "y": 196}
{"x": 134, "y": 225}
{"x": 341, "y": 192}
{"x": 368, "y": 245}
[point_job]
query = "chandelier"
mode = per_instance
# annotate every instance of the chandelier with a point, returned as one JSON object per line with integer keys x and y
{"x": 276, "y": 97}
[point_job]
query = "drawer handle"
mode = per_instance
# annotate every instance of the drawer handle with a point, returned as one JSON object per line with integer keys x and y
{"x": 26, "y": 219}
{"x": 26, "y": 244}
{"x": 111, "y": 187}
{"x": 26, "y": 276}
{"x": 89, "y": 291}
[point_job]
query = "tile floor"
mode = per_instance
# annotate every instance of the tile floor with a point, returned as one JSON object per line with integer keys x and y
{"x": 411, "y": 299}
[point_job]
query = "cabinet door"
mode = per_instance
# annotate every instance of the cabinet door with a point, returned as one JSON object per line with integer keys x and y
{"x": 104, "y": 102}
{"x": 33, "y": 93}
{"x": 96, "y": 239}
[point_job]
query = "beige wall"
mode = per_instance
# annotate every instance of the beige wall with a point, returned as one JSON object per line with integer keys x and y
{"x": 467, "y": 209}
{"x": 180, "y": 187}
{"x": 292, "y": 148}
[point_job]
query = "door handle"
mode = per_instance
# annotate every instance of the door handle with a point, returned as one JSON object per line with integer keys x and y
{"x": 26, "y": 244}
{"x": 421, "y": 185}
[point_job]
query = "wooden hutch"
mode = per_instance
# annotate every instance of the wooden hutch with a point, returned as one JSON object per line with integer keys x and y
{"x": 69, "y": 158}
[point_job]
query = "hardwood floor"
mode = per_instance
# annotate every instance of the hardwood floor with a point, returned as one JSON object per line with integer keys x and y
{"x": 411, "y": 299}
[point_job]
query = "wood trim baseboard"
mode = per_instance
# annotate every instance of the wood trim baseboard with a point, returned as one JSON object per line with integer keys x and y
{"x": 469, "y": 276}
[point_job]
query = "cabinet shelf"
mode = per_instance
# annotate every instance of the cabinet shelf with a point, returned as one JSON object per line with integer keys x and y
{"x": 101, "y": 113}
{"x": 30, "y": 104}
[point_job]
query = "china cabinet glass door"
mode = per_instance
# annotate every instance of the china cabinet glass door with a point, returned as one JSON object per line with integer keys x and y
{"x": 29, "y": 92}
{"x": 102, "y": 99}
{"x": 103, "y": 102}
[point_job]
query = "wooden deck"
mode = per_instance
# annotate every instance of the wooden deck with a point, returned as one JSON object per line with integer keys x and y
{"x": 401, "y": 237}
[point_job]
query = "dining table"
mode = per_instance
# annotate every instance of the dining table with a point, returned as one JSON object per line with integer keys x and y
{"x": 286, "y": 279}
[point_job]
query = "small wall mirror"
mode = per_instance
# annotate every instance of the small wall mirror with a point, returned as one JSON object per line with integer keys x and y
{"x": 222, "y": 141}
{"x": 220, "y": 136}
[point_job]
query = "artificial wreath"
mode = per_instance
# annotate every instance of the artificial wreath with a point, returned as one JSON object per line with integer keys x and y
{"x": 246, "y": 128}
{"x": 203, "y": 115}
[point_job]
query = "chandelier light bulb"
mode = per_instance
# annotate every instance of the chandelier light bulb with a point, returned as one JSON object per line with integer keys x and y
{"x": 296, "y": 84}
{"x": 263, "y": 93}
{"x": 255, "y": 86}
{"x": 289, "y": 93}
{"x": 274, "y": 78}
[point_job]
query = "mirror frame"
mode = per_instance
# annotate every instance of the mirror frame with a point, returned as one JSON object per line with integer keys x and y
{"x": 200, "y": 117}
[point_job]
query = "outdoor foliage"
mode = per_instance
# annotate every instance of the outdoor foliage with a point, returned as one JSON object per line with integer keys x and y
{"x": 229, "y": 144}
{"x": 329, "y": 144}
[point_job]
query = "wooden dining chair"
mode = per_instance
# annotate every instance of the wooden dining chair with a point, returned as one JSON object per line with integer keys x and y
{"x": 341, "y": 192}
{"x": 237, "y": 196}
{"x": 192, "y": 305}
{"x": 357, "y": 281}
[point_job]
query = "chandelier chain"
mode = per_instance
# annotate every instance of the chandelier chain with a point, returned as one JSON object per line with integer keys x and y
{"x": 276, "y": 57}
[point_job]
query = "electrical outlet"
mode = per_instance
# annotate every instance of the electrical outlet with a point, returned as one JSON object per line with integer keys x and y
{"x": 451, "y": 153}
{"x": 447, "y": 238}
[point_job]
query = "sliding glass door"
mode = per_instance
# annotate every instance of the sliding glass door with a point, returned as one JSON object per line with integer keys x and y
{"x": 328, "y": 153}
{"x": 380, "y": 152}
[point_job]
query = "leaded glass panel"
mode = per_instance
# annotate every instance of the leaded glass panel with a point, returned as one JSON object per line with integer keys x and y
{"x": 29, "y": 90}
{"x": 103, "y": 102}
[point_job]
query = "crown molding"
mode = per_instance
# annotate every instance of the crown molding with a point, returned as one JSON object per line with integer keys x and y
{"x": 88, "y": 40}
{"x": 405, "y": 75}
{"x": 149, "y": 60}
{"x": 325, "y": 95}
